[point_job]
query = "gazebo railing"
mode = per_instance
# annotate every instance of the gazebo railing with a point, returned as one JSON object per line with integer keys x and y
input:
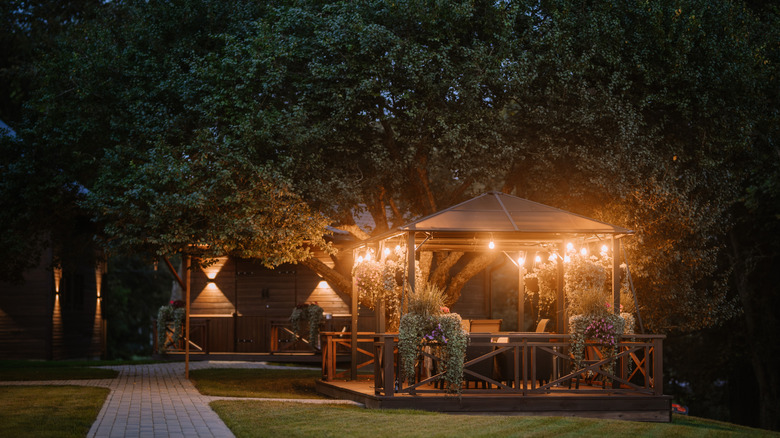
{"x": 523, "y": 364}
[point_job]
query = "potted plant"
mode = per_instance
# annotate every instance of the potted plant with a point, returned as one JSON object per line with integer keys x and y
{"x": 429, "y": 325}
{"x": 170, "y": 321}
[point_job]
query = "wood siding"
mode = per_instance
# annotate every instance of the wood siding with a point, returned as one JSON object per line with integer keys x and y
{"x": 243, "y": 300}
{"x": 37, "y": 323}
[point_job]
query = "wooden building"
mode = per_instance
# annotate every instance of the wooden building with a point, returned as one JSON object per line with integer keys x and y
{"x": 54, "y": 313}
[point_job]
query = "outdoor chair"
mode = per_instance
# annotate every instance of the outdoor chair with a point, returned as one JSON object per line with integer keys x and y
{"x": 484, "y": 367}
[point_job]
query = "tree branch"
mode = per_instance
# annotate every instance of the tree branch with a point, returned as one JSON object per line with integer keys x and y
{"x": 336, "y": 280}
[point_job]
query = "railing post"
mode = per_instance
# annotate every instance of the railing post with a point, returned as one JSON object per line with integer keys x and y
{"x": 658, "y": 366}
{"x": 387, "y": 362}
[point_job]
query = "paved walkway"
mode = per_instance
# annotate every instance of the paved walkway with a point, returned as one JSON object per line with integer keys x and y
{"x": 157, "y": 401}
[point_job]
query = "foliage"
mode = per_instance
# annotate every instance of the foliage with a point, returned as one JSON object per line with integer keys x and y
{"x": 426, "y": 301}
{"x": 130, "y": 296}
{"x": 426, "y": 325}
{"x": 172, "y": 313}
{"x": 444, "y": 335}
{"x": 311, "y": 313}
{"x": 376, "y": 281}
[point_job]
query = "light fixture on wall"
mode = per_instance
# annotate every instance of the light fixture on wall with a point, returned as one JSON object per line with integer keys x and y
{"x": 491, "y": 244}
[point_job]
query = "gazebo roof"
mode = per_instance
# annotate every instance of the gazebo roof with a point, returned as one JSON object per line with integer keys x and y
{"x": 500, "y": 212}
{"x": 514, "y": 223}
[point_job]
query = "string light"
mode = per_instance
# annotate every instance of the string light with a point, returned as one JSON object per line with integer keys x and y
{"x": 387, "y": 252}
{"x": 604, "y": 249}
{"x": 566, "y": 259}
{"x": 584, "y": 252}
{"x": 570, "y": 247}
{"x": 538, "y": 259}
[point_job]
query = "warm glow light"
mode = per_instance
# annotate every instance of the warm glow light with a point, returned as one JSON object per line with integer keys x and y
{"x": 551, "y": 258}
{"x": 213, "y": 270}
{"x": 538, "y": 259}
{"x": 584, "y": 251}
{"x": 604, "y": 249}
{"x": 387, "y": 252}
{"x": 569, "y": 247}
{"x": 323, "y": 285}
{"x": 57, "y": 279}
{"x": 368, "y": 256}
{"x": 521, "y": 261}
{"x": 398, "y": 248}
{"x": 491, "y": 245}
{"x": 566, "y": 259}
{"x": 211, "y": 286}
{"x": 360, "y": 259}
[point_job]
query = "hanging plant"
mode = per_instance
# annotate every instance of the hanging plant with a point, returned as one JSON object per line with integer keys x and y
{"x": 174, "y": 312}
{"x": 311, "y": 313}
{"x": 377, "y": 281}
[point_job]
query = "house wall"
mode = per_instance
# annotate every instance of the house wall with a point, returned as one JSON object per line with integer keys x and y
{"x": 38, "y": 323}
{"x": 241, "y": 301}
{"x": 25, "y": 314}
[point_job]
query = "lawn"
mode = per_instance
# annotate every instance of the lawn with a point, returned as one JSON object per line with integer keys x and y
{"x": 265, "y": 383}
{"x": 267, "y": 419}
{"x": 55, "y": 370}
{"x": 49, "y": 411}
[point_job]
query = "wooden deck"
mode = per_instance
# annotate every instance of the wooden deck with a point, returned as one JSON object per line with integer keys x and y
{"x": 624, "y": 406}
{"x": 512, "y": 374}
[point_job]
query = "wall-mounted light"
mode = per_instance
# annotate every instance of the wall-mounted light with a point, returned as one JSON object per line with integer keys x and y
{"x": 491, "y": 244}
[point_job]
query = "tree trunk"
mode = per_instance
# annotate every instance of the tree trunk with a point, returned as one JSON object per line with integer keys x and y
{"x": 472, "y": 268}
{"x": 759, "y": 302}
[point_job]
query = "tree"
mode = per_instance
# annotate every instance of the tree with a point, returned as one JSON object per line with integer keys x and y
{"x": 120, "y": 114}
{"x": 640, "y": 114}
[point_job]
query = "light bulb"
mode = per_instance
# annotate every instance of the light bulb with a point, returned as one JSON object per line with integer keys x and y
{"x": 569, "y": 247}
{"x": 491, "y": 245}
{"x": 604, "y": 249}
{"x": 584, "y": 251}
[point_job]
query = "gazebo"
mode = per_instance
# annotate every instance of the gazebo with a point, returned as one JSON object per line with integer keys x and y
{"x": 516, "y": 227}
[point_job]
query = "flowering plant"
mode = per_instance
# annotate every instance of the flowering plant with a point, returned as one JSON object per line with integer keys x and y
{"x": 424, "y": 325}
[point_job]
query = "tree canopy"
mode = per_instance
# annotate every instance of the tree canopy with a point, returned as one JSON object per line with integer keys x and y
{"x": 246, "y": 127}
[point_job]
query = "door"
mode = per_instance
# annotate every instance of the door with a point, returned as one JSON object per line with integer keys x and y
{"x": 262, "y": 295}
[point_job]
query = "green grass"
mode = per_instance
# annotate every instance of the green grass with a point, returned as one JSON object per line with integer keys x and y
{"x": 268, "y": 419}
{"x": 49, "y": 411}
{"x": 14, "y": 370}
{"x": 265, "y": 383}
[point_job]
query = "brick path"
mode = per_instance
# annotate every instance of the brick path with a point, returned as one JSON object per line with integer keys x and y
{"x": 157, "y": 401}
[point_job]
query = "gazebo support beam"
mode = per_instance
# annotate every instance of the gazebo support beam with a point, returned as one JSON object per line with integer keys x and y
{"x": 616, "y": 274}
{"x": 561, "y": 324}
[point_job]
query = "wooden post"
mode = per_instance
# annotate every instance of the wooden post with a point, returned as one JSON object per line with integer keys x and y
{"x": 354, "y": 331}
{"x": 616, "y": 274}
{"x": 387, "y": 363}
{"x": 562, "y": 324}
{"x": 520, "y": 296}
{"x": 658, "y": 366}
{"x": 187, "y": 288}
{"x": 410, "y": 262}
